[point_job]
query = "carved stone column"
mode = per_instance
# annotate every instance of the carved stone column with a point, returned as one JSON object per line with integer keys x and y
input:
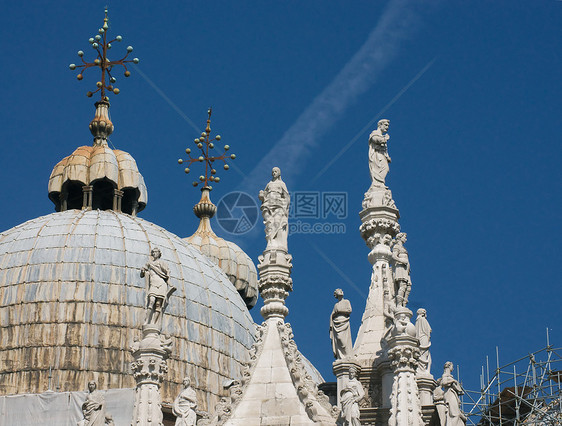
{"x": 117, "y": 197}
{"x": 87, "y": 190}
{"x": 404, "y": 353}
{"x": 149, "y": 368}
{"x": 275, "y": 283}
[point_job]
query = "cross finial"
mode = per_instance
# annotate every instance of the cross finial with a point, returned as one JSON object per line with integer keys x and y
{"x": 101, "y": 45}
{"x": 206, "y": 145}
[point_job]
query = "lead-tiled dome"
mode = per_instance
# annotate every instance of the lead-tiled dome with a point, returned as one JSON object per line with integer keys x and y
{"x": 72, "y": 300}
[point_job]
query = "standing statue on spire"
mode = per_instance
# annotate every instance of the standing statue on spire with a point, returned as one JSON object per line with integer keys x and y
{"x": 402, "y": 281}
{"x": 378, "y": 154}
{"x": 275, "y": 210}
{"x": 157, "y": 274}
{"x": 340, "y": 331}
{"x": 423, "y": 334}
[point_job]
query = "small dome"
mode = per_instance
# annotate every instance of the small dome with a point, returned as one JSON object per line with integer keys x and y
{"x": 72, "y": 302}
{"x": 97, "y": 176}
{"x": 233, "y": 261}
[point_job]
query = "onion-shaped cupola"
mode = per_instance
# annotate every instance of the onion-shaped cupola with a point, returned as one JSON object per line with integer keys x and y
{"x": 233, "y": 261}
{"x": 98, "y": 177}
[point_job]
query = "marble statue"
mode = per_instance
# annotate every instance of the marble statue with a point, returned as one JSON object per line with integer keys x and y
{"x": 157, "y": 275}
{"x": 340, "y": 331}
{"x": 402, "y": 324}
{"x": 423, "y": 333}
{"x": 185, "y": 405}
{"x": 452, "y": 390}
{"x": 93, "y": 407}
{"x": 350, "y": 396}
{"x": 275, "y": 210}
{"x": 402, "y": 283}
{"x": 378, "y": 154}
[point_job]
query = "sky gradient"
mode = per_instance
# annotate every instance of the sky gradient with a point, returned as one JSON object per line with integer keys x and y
{"x": 473, "y": 93}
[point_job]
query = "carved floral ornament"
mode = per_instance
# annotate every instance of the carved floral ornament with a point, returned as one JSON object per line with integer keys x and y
{"x": 378, "y": 226}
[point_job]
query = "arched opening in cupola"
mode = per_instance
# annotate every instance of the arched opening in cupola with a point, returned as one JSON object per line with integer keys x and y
{"x": 103, "y": 192}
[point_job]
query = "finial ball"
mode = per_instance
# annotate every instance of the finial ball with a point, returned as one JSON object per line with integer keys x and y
{"x": 119, "y": 38}
{"x": 79, "y": 76}
{"x": 98, "y": 37}
{"x": 217, "y": 179}
{"x": 91, "y": 40}
{"x": 203, "y": 134}
{"x": 226, "y": 167}
{"x": 186, "y": 170}
{"x": 211, "y": 145}
{"x": 226, "y": 147}
{"x": 127, "y": 73}
{"x": 232, "y": 156}
{"x": 218, "y": 137}
{"x": 188, "y": 150}
{"x": 98, "y": 84}
{"x": 136, "y": 60}
{"x": 201, "y": 178}
{"x": 95, "y": 45}
{"x": 180, "y": 161}
{"x": 195, "y": 183}
{"x": 199, "y": 145}
{"x": 201, "y": 158}
{"x": 129, "y": 48}
{"x": 72, "y": 66}
{"x": 116, "y": 91}
{"x": 89, "y": 94}
{"x": 113, "y": 79}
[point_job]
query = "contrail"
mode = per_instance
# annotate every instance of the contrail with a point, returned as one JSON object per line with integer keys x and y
{"x": 396, "y": 24}
{"x": 375, "y": 118}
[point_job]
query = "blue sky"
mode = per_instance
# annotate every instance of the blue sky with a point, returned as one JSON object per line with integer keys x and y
{"x": 473, "y": 93}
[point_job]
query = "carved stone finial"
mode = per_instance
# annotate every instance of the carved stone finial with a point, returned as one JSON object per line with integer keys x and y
{"x": 275, "y": 264}
{"x": 101, "y": 126}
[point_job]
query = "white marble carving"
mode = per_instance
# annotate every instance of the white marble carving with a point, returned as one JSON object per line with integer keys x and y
{"x": 452, "y": 390}
{"x": 275, "y": 209}
{"x": 350, "y": 396}
{"x": 157, "y": 274}
{"x": 401, "y": 262}
{"x": 340, "y": 330}
{"x": 185, "y": 405}
{"x": 379, "y": 159}
{"x": 93, "y": 407}
{"x": 423, "y": 333}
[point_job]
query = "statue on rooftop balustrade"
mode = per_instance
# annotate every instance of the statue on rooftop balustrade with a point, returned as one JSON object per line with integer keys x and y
{"x": 423, "y": 334}
{"x": 351, "y": 395}
{"x": 402, "y": 282}
{"x": 452, "y": 388}
{"x": 275, "y": 210}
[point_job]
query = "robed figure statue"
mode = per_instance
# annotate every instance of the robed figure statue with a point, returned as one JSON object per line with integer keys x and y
{"x": 350, "y": 396}
{"x": 275, "y": 210}
{"x": 93, "y": 407}
{"x": 455, "y": 416}
{"x": 379, "y": 159}
{"x": 185, "y": 405}
{"x": 340, "y": 331}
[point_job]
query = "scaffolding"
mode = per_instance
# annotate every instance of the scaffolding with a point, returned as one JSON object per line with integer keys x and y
{"x": 524, "y": 392}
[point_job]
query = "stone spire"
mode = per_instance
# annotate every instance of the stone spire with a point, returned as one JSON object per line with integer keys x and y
{"x": 386, "y": 347}
{"x": 276, "y": 389}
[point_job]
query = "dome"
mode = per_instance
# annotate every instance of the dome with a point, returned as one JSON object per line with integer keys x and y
{"x": 72, "y": 302}
{"x": 233, "y": 261}
{"x": 97, "y": 176}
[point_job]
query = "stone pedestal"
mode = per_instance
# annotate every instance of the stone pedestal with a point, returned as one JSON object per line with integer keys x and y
{"x": 275, "y": 283}
{"x": 149, "y": 368}
{"x": 404, "y": 353}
